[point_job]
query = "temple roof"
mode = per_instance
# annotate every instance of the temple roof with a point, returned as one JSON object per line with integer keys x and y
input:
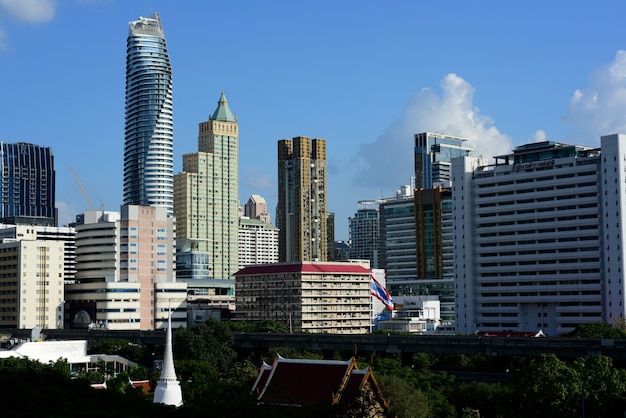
{"x": 300, "y": 382}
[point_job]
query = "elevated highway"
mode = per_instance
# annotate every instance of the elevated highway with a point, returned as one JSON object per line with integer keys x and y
{"x": 565, "y": 348}
{"x": 410, "y": 344}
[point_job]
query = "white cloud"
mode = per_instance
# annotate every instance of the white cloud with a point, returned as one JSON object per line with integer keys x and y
{"x": 600, "y": 109}
{"x": 67, "y": 213}
{"x": 388, "y": 161}
{"x": 29, "y": 10}
{"x": 539, "y": 136}
{"x": 3, "y": 40}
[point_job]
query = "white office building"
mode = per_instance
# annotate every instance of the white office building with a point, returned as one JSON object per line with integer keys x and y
{"x": 258, "y": 242}
{"x": 539, "y": 237}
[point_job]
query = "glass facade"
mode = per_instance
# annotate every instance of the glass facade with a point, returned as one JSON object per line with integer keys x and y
{"x": 433, "y": 158}
{"x": 365, "y": 234}
{"x": 149, "y": 129}
{"x": 28, "y": 185}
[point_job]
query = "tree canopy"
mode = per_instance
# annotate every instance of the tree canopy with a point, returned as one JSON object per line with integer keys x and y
{"x": 596, "y": 330}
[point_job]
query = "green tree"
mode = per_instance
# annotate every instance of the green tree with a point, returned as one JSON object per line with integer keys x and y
{"x": 271, "y": 326}
{"x": 487, "y": 398}
{"x": 210, "y": 341}
{"x": 546, "y": 386}
{"x": 430, "y": 384}
{"x": 596, "y": 330}
{"x": 289, "y": 352}
{"x": 602, "y": 387}
{"x": 197, "y": 380}
{"x": 121, "y": 347}
{"x": 405, "y": 401}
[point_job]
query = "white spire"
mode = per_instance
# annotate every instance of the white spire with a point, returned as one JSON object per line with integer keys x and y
{"x": 168, "y": 389}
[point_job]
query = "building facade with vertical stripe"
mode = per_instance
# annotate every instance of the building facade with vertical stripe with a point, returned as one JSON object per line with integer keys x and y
{"x": 28, "y": 185}
{"x": 301, "y": 212}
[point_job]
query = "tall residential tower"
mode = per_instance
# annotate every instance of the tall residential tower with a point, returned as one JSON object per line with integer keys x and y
{"x": 207, "y": 204}
{"x": 301, "y": 212}
{"x": 149, "y": 128}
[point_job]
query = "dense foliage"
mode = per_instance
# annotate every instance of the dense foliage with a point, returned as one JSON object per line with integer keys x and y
{"x": 29, "y": 388}
{"x": 596, "y": 330}
{"x": 213, "y": 378}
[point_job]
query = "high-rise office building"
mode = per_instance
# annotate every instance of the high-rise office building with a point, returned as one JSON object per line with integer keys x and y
{"x": 256, "y": 208}
{"x": 258, "y": 242}
{"x": 433, "y": 158}
{"x": 365, "y": 233}
{"x": 149, "y": 127}
{"x": 28, "y": 185}
{"x": 433, "y": 218}
{"x": 397, "y": 241}
{"x": 206, "y": 205}
{"x": 416, "y": 246}
{"x": 435, "y": 249}
{"x": 301, "y": 214}
{"x": 539, "y": 238}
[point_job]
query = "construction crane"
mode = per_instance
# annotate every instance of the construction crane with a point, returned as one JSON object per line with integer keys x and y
{"x": 82, "y": 189}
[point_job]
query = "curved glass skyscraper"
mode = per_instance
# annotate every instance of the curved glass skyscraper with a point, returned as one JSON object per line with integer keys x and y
{"x": 149, "y": 129}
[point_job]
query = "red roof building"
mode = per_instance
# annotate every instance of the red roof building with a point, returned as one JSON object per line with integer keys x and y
{"x": 298, "y": 382}
{"x": 318, "y": 297}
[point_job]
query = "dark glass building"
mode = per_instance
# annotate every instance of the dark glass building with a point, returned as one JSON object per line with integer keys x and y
{"x": 28, "y": 185}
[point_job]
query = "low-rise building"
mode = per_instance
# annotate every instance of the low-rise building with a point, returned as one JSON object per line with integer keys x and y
{"x": 415, "y": 314}
{"x": 319, "y": 297}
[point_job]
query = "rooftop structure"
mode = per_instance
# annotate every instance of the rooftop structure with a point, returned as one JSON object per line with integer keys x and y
{"x": 433, "y": 158}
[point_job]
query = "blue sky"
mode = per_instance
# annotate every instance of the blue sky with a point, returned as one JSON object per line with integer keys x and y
{"x": 364, "y": 75}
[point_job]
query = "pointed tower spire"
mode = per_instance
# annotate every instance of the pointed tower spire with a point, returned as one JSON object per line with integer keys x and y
{"x": 168, "y": 389}
{"x": 222, "y": 112}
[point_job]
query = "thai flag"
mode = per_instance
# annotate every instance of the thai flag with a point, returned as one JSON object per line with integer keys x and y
{"x": 379, "y": 292}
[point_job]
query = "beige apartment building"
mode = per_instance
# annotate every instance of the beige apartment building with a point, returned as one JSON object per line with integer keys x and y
{"x": 318, "y": 297}
{"x": 206, "y": 206}
{"x": 31, "y": 284}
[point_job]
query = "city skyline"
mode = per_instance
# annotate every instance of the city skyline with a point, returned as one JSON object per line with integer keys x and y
{"x": 368, "y": 78}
